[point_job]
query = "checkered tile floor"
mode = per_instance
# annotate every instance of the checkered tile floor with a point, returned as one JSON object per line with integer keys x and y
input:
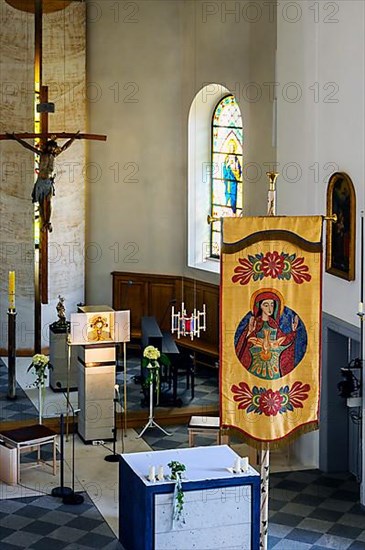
{"x": 20, "y": 408}
{"x": 206, "y": 392}
{"x": 308, "y": 509}
{"x": 206, "y": 387}
{"x": 45, "y": 523}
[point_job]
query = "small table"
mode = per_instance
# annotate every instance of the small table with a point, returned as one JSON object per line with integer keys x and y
{"x": 30, "y": 438}
{"x": 221, "y": 509}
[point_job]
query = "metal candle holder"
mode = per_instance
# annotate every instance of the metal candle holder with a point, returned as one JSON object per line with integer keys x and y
{"x": 11, "y": 353}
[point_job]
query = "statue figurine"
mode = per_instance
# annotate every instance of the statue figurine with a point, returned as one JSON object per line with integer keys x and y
{"x": 43, "y": 189}
{"x": 61, "y": 311}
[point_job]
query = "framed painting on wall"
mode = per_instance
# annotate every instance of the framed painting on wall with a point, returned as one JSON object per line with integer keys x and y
{"x": 340, "y": 241}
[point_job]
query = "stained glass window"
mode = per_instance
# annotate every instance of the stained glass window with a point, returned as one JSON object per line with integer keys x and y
{"x": 226, "y": 180}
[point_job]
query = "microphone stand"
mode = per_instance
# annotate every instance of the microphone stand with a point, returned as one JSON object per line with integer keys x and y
{"x": 61, "y": 491}
{"x": 114, "y": 457}
{"x": 72, "y": 498}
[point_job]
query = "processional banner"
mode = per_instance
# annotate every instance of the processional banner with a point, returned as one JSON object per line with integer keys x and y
{"x": 270, "y": 327}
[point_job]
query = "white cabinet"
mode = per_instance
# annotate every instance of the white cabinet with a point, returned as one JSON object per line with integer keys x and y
{"x": 96, "y": 381}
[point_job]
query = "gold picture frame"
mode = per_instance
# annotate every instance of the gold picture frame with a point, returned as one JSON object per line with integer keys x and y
{"x": 340, "y": 237}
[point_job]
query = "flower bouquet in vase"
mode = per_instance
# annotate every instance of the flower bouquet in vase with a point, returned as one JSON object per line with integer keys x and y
{"x": 40, "y": 363}
{"x": 152, "y": 360}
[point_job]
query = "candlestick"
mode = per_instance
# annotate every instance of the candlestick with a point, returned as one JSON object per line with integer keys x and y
{"x": 11, "y": 290}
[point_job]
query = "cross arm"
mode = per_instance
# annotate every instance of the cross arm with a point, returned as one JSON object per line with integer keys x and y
{"x": 54, "y": 135}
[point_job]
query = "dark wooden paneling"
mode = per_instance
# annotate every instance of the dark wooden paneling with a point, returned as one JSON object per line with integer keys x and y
{"x": 131, "y": 294}
{"x": 152, "y": 295}
{"x": 160, "y": 298}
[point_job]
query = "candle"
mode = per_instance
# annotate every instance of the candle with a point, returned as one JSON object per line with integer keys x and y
{"x": 361, "y": 307}
{"x": 11, "y": 290}
{"x": 244, "y": 464}
{"x": 160, "y": 475}
{"x": 237, "y": 465}
{"x": 152, "y": 473}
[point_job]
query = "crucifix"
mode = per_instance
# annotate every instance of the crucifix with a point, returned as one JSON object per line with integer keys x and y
{"x": 47, "y": 149}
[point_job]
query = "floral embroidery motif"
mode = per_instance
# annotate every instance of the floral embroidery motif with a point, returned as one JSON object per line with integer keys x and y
{"x": 281, "y": 266}
{"x": 268, "y": 402}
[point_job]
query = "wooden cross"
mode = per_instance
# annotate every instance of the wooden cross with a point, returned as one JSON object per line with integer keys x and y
{"x": 54, "y": 135}
{"x": 41, "y": 252}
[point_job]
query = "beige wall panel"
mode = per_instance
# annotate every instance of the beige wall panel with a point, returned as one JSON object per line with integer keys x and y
{"x": 64, "y": 73}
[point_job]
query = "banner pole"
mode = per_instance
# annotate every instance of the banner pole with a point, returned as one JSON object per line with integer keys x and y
{"x": 264, "y": 510}
{"x": 265, "y": 452}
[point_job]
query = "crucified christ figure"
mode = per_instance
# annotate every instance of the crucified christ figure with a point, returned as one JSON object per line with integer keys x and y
{"x": 43, "y": 189}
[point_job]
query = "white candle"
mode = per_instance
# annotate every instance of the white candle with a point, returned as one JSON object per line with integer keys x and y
{"x": 244, "y": 464}
{"x": 160, "y": 475}
{"x": 152, "y": 473}
{"x": 361, "y": 307}
{"x": 237, "y": 465}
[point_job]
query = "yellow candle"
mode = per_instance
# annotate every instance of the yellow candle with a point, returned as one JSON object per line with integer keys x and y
{"x": 11, "y": 290}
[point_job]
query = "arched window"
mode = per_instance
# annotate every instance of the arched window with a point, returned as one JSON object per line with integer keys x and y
{"x": 203, "y": 176}
{"x": 226, "y": 167}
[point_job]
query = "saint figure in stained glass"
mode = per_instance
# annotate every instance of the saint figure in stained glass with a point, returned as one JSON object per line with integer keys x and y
{"x": 226, "y": 181}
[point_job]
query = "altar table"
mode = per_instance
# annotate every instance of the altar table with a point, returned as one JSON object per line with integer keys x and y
{"x": 221, "y": 509}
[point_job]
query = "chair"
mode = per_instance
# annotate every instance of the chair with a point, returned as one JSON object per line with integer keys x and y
{"x": 183, "y": 364}
{"x": 206, "y": 425}
{"x": 30, "y": 438}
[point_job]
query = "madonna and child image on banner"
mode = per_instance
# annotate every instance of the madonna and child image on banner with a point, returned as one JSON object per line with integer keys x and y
{"x": 271, "y": 325}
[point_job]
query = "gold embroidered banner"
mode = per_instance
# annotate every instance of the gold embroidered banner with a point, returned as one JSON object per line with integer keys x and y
{"x": 271, "y": 272}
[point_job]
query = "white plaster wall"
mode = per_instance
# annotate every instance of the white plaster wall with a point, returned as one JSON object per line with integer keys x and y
{"x": 158, "y": 55}
{"x": 322, "y": 54}
{"x": 64, "y": 74}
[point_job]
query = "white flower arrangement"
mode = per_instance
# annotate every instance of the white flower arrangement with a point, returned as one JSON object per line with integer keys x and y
{"x": 152, "y": 357}
{"x": 39, "y": 363}
{"x": 152, "y": 353}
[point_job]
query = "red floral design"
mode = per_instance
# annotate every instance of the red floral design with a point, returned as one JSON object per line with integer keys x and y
{"x": 281, "y": 266}
{"x": 272, "y": 264}
{"x": 300, "y": 271}
{"x": 298, "y": 393}
{"x": 244, "y": 395}
{"x": 270, "y": 402}
{"x": 244, "y": 272}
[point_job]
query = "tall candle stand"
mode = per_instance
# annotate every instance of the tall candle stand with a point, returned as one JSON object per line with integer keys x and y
{"x": 11, "y": 353}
